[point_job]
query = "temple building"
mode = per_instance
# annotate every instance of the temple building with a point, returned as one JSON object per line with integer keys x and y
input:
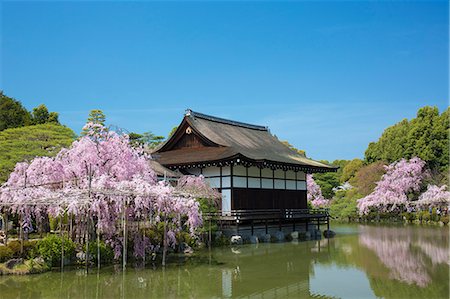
{"x": 251, "y": 168}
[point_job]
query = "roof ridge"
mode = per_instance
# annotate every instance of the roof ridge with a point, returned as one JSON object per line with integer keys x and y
{"x": 191, "y": 113}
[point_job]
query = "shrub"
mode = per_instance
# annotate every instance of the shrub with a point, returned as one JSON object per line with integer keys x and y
{"x": 106, "y": 252}
{"x": 409, "y": 216}
{"x": 425, "y": 216}
{"x": 445, "y": 219}
{"x": 50, "y": 249}
{"x": 29, "y": 248}
{"x": 5, "y": 254}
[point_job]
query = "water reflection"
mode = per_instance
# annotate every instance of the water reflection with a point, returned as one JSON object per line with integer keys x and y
{"x": 405, "y": 252}
{"x": 387, "y": 262}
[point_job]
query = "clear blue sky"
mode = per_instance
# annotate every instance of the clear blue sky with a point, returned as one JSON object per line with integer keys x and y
{"x": 327, "y": 76}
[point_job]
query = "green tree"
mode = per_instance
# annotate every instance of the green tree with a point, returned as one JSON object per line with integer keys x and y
{"x": 12, "y": 113}
{"x": 367, "y": 176}
{"x": 95, "y": 116}
{"x": 428, "y": 137}
{"x": 53, "y": 117}
{"x": 25, "y": 143}
{"x": 299, "y": 151}
{"x": 40, "y": 114}
{"x": 327, "y": 181}
{"x": 350, "y": 169}
{"x": 146, "y": 138}
{"x": 174, "y": 129}
{"x": 425, "y": 136}
{"x": 344, "y": 205}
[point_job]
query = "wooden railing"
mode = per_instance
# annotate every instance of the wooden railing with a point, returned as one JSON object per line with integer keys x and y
{"x": 269, "y": 214}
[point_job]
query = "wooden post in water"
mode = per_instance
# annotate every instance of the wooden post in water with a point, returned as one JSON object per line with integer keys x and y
{"x": 87, "y": 245}
{"x": 62, "y": 242}
{"x": 124, "y": 243}
{"x": 21, "y": 234}
{"x": 98, "y": 247}
{"x": 5, "y": 218}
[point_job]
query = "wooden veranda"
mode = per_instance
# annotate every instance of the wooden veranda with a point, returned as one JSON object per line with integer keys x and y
{"x": 280, "y": 217}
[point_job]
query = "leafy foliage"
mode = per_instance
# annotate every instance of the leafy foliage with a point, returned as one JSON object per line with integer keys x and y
{"x": 26, "y": 143}
{"x": 145, "y": 139}
{"x": 12, "y": 113}
{"x": 350, "y": 170}
{"x": 299, "y": 151}
{"x": 106, "y": 252}
{"x": 29, "y": 248}
{"x": 50, "y": 247}
{"x": 96, "y": 117}
{"x": 425, "y": 136}
{"x": 5, "y": 253}
{"x": 344, "y": 205}
{"x": 327, "y": 181}
{"x": 366, "y": 178}
{"x": 40, "y": 115}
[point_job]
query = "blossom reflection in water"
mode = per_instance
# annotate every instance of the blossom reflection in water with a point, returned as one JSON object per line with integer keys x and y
{"x": 405, "y": 253}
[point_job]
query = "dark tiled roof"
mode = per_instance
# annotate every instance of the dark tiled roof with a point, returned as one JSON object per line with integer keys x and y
{"x": 163, "y": 171}
{"x": 234, "y": 139}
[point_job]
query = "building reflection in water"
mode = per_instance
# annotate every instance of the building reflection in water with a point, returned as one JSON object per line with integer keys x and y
{"x": 387, "y": 262}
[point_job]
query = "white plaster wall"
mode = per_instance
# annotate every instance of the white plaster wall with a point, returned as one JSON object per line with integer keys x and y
{"x": 226, "y": 182}
{"x": 279, "y": 184}
{"x": 267, "y": 183}
{"x": 226, "y": 201}
{"x": 239, "y": 182}
{"x": 301, "y": 185}
{"x": 254, "y": 183}
{"x": 214, "y": 182}
{"x": 291, "y": 185}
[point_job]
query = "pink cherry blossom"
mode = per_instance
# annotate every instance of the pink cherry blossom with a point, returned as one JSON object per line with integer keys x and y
{"x": 314, "y": 193}
{"x": 102, "y": 181}
{"x": 391, "y": 192}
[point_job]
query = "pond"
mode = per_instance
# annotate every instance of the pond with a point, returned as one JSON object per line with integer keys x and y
{"x": 360, "y": 262}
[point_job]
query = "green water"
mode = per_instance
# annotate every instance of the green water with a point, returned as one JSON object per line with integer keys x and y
{"x": 360, "y": 262}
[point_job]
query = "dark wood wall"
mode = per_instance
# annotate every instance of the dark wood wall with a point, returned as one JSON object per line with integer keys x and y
{"x": 189, "y": 140}
{"x": 259, "y": 199}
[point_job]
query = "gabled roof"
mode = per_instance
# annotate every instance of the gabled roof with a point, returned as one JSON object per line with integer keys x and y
{"x": 228, "y": 139}
{"x": 162, "y": 171}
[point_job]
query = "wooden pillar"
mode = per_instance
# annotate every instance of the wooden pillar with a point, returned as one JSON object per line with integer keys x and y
{"x": 267, "y": 229}
{"x": 252, "y": 227}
